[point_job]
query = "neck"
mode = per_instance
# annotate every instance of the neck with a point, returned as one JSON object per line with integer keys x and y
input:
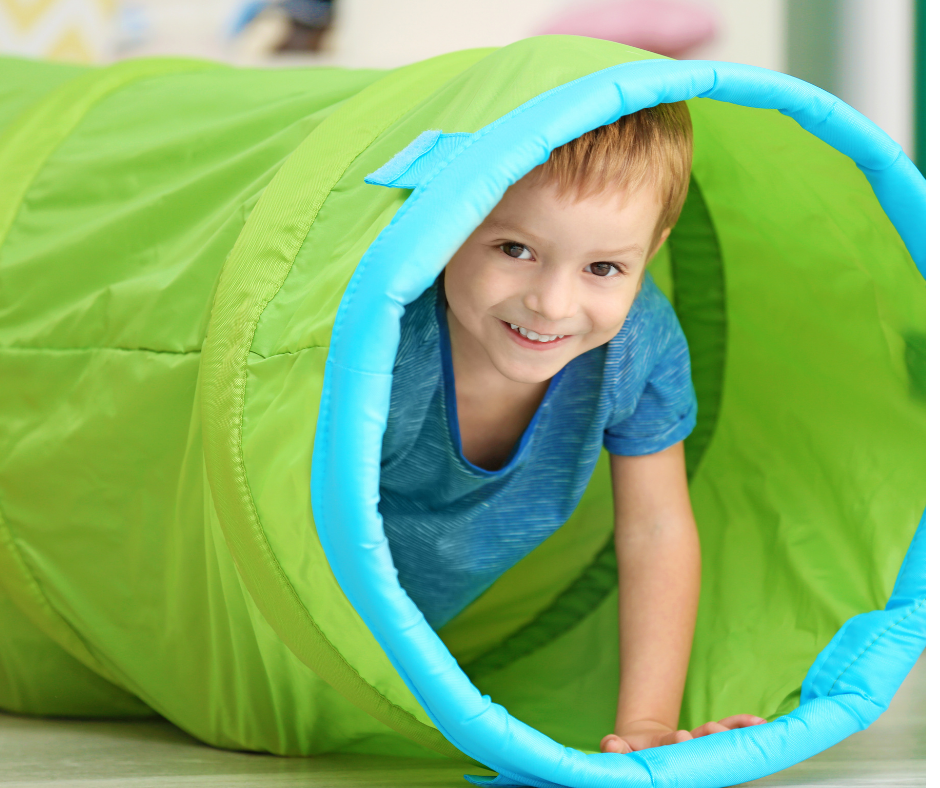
{"x": 492, "y": 410}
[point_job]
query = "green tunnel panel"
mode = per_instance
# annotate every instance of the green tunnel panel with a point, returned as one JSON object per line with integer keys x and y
{"x": 175, "y": 241}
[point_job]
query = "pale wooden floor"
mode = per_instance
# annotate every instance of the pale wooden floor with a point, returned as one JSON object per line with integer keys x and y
{"x": 38, "y": 753}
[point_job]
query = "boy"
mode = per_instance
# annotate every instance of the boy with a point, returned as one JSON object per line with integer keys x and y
{"x": 537, "y": 346}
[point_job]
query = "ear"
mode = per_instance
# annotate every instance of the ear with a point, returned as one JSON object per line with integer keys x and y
{"x": 662, "y": 239}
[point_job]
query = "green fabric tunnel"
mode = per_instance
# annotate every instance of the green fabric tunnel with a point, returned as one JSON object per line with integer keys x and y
{"x": 161, "y": 363}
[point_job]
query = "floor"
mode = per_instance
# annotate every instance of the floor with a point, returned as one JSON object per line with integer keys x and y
{"x": 37, "y": 753}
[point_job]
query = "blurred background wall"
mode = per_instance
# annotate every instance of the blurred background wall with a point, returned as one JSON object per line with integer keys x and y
{"x": 868, "y": 52}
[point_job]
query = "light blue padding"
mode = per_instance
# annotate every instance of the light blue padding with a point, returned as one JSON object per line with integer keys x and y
{"x": 417, "y": 162}
{"x": 850, "y": 683}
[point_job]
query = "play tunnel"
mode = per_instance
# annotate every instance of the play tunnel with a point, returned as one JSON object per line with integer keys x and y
{"x": 202, "y": 273}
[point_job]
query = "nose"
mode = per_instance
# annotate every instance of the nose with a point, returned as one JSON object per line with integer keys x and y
{"x": 552, "y": 295}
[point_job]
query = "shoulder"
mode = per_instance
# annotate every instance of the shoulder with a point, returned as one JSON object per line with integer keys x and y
{"x": 652, "y": 401}
{"x": 650, "y": 345}
{"x": 651, "y": 303}
{"x": 651, "y": 325}
{"x": 419, "y": 326}
{"x": 416, "y": 376}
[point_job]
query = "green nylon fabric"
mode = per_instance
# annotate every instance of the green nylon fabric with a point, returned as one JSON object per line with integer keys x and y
{"x": 175, "y": 238}
{"x": 23, "y": 81}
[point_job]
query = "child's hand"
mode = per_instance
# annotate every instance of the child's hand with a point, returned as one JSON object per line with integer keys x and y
{"x": 641, "y": 734}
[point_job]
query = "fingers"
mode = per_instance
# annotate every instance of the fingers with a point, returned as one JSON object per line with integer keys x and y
{"x": 735, "y": 721}
{"x": 707, "y": 729}
{"x": 613, "y": 743}
{"x": 641, "y": 739}
{"x": 742, "y": 721}
{"x": 676, "y": 737}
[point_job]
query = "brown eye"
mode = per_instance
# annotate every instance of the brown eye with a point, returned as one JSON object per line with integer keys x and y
{"x": 603, "y": 269}
{"x": 517, "y": 251}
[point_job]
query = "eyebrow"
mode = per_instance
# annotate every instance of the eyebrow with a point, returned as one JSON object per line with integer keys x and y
{"x": 633, "y": 249}
{"x": 502, "y": 227}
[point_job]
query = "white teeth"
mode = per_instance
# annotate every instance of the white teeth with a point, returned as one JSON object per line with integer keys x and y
{"x": 534, "y": 336}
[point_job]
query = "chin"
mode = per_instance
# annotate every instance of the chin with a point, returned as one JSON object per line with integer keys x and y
{"x": 527, "y": 374}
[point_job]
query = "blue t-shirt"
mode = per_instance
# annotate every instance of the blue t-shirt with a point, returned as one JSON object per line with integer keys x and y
{"x": 454, "y": 528}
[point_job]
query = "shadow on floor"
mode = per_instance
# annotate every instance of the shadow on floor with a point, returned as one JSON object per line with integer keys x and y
{"x": 35, "y": 753}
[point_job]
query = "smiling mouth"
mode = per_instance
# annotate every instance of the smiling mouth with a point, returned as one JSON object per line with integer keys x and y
{"x": 533, "y": 339}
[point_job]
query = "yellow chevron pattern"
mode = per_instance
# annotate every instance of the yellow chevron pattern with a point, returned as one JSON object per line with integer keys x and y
{"x": 25, "y": 13}
{"x": 80, "y": 31}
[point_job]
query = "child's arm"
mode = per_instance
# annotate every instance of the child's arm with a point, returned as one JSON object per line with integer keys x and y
{"x": 659, "y": 565}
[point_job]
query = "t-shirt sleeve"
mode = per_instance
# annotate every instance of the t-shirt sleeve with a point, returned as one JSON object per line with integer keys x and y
{"x": 665, "y": 412}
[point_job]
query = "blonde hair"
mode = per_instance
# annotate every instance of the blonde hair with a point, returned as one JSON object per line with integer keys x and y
{"x": 651, "y": 146}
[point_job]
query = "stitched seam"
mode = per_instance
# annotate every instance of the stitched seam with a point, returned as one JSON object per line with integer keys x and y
{"x": 825, "y": 120}
{"x": 8, "y": 540}
{"x": 91, "y": 348}
{"x": 875, "y": 639}
{"x": 888, "y": 166}
{"x": 282, "y": 575}
{"x": 649, "y": 770}
{"x": 371, "y": 690}
{"x": 287, "y": 352}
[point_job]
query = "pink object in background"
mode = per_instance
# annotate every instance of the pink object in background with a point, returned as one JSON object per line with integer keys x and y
{"x": 666, "y": 27}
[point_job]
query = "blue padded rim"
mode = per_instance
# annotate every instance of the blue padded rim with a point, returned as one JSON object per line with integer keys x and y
{"x": 852, "y": 680}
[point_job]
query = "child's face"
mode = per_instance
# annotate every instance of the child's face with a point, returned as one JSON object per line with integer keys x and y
{"x": 551, "y": 266}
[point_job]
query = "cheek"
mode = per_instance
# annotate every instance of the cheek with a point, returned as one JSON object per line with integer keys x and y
{"x": 474, "y": 285}
{"x": 465, "y": 286}
{"x": 609, "y": 312}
